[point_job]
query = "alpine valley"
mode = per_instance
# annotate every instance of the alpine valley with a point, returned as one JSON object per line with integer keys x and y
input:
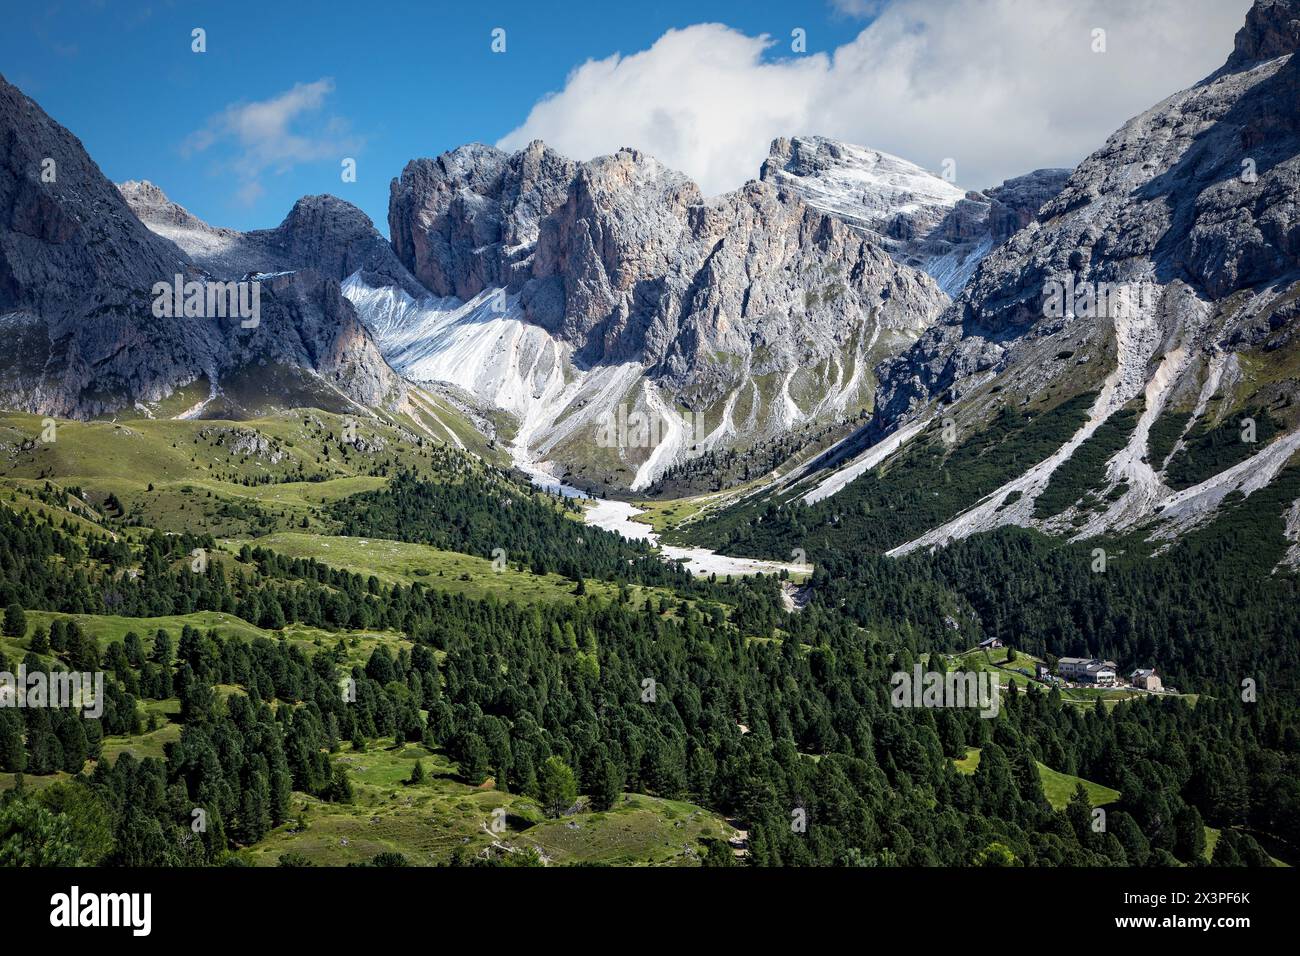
{"x": 584, "y": 518}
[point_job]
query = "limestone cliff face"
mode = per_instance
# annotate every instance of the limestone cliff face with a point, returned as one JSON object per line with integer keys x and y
{"x": 1272, "y": 29}
{"x": 624, "y": 260}
{"x": 461, "y": 221}
{"x": 76, "y": 270}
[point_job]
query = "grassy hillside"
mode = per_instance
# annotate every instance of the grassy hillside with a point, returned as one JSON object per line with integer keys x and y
{"x": 405, "y": 563}
{"x": 1057, "y": 786}
{"x": 245, "y": 477}
{"x": 109, "y": 629}
{"x": 350, "y": 623}
{"x": 428, "y": 821}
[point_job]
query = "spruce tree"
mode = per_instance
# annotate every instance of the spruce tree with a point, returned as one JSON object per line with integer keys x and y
{"x": 15, "y": 621}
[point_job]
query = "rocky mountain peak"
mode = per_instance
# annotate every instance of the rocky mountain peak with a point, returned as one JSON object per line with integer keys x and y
{"x": 337, "y": 239}
{"x": 151, "y": 205}
{"x": 326, "y": 211}
{"x": 629, "y": 280}
{"x": 77, "y": 273}
{"x": 867, "y": 188}
{"x": 1200, "y": 190}
{"x": 630, "y": 177}
{"x": 202, "y": 244}
{"x": 607, "y": 254}
{"x": 1272, "y": 29}
{"x": 921, "y": 219}
{"x": 459, "y": 221}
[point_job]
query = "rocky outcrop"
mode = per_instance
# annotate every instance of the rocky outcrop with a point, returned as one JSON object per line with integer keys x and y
{"x": 337, "y": 239}
{"x": 77, "y": 271}
{"x": 1016, "y": 203}
{"x": 152, "y": 207}
{"x": 1272, "y": 29}
{"x": 312, "y": 326}
{"x": 461, "y": 222}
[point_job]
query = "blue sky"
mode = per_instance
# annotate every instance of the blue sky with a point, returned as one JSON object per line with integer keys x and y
{"x": 286, "y": 90}
{"x": 408, "y": 79}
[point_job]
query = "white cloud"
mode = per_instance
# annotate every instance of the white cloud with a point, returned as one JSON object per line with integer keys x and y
{"x": 1001, "y": 86}
{"x": 273, "y": 135}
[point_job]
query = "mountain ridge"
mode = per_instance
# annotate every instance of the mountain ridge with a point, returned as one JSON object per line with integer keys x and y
{"x": 561, "y": 291}
{"x": 77, "y": 274}
{"x": 1164, "y": 282}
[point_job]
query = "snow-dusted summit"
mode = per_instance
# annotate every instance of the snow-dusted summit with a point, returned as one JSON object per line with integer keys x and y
{"x": 869, "y": 189}
{"x": 921, "y": 219}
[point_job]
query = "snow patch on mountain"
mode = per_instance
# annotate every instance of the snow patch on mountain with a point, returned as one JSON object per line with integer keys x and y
{"x": 920, "y": 219}
{"x": 952, "y": 270}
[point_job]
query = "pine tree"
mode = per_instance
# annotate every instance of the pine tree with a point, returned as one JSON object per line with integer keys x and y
{"x": 557, "y": 787}
{"x": 1189, "y": 836}
{"x": 15, "y": 621}
{"x": 717, "y": 853}
{"x": 609, "y": 786}
{"x": 13, "y": 758}
{"x": 474, "y": 763}
{"x": 72, "y": 738}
